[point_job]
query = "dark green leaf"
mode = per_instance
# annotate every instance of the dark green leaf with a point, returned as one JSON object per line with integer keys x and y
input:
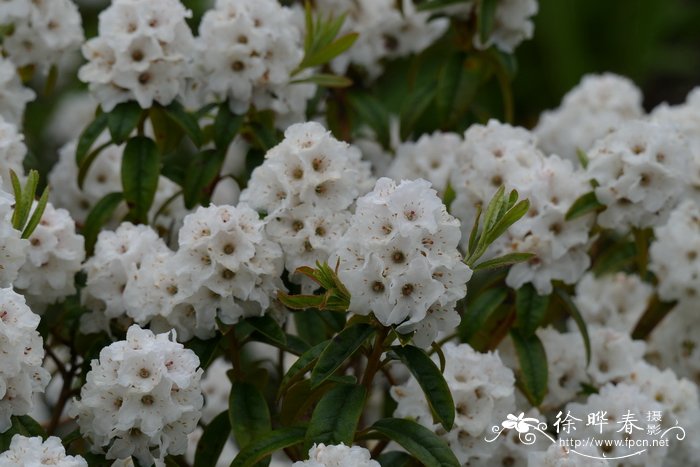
{"x": 372, "y": 112}
{"x": 335, "y": 418}
{"x": 396, "y": 459}
{"x": 584, "y": 205}
{"x": 268, "y": 327}
{"x": 86, "y": 163}
{"x": 123, "y": 120}
{"x": 505, "y": 260}
{"x": 417, "y": 102}
{"x": 206, "y": 350}
{"x": 226, "y": 126}
{"x": 213, "y": 440}
{"x": 166, "y": 132}
{"x": 186, "y": 121}
{"x": 420, "y": 442}
{"x": 430, "y": 379}
{"x": 532, "y": 377}
{"x": 655, "y": 312}
{"x": 434, "y": 4}
{"x": 201, "y": 173}
{"x": 486, "y": 16}
{"x": 575, "y": 314}
{"x": 338, "y": 350}
{"x": 265, "y": 445}
{"x": 303, "y": 364}
{"x": 513, "y": 215}
{"x": 479, "y": 311}
{"x": 300, "y": 302}
{"x": 100, "y": 214}
{"x": 89, "y": 136}
{"x": 329, "y": 52}
{"x": 140, "y": 172}
{"x": 530, "y": 307}
{"x": 249, "y": 414}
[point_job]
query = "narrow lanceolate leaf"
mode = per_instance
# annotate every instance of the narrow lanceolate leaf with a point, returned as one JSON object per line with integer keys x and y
{"x": 479, "y": 312}
{"x": 265, "y": 445}
{"x": 201, "y": 173}
{"x": 486, "y": 15}
{"x": 213, "y": 441}
{"x": 505, "y": 260}
{"x": 532, "y": 378}
{"x": 586, "y": 204}
{"x": 530, "y": 307}
{"x": 303, "y": 364}
{"x": 420, "y": 442}
{"x": 655, "y": 312}
{"x": 123, "y": 120}
{"x": 186, "y": 121}
{"x": 326, "y": 80}
{"x": 433, "y": 4}
{"x": 89, "y": 136}
{"x": 100, "y": 214}
{"x": 510, "y": 217}
{"x": 226, "y": 126}
{"x": 268, "y": 327}
{"x": 574, "y": 312}
{"x": 36, "y": 215}
{"x": 249, "y": 414}
{"x": 335, "y": 418}
{"x": 415, "y": 106}
{"x": 338, "y": 350}
{"x": 396, "y": 459}
{"x": 434, "y": 386}
{"x": 140, "y": 172}
{"x": 329, "y": 52}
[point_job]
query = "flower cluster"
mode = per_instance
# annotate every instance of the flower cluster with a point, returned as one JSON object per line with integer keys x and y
{"x": 36, "y": 452}
{"x": 483, "y": 390}
{"x": 399, "y": 259}
{"x": 306, "y": 187}
{"x": 340, "y": 455}
{"x": 22, "y": 350}
{"x": 143, "y": 52}
{"x": 12, "y": 152}
{"x": 13, "y": 96}
{"x": 141, "y": 398}
{"x": 42, "y": 32}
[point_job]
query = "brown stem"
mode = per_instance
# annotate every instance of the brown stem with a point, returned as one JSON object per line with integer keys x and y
{"x": 379, "y": 448}
{"x": 373, "y": 362}
{"x": 234, "y": 354}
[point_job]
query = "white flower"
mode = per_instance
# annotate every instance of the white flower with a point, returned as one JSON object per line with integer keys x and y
{"x": 483, "y": 392}
{"x": 675, "y": 342}
{"x": 36, "y": 452}
{"x": 339, "y": 455}
{"x": 12, "y": 152}
{"x": 384, "y": 31}
{"x": 399, "y": 259}
{"x": 142, "y": 53}
{"x": 54, "y": 256}
{"x": 22, "y": 350}
{"x": 13, "y": 248}
{"x": 142, "y": 397}
{"x": 642, "y": 170}
{"x": 512, "y": 25}
{"x": 13, "y": 95}
{"x": 42, "y": 31}
{"x": 562, "y": 456}
{"x": 596, "y": 106}
{"x": 246, "y": 53}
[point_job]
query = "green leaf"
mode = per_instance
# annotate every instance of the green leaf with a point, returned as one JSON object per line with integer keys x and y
{"x": 474, "y": 234}
{"x": 123, "y": 120}
{"x": 24, "y": 198}
{"x": 584, "y": 205}
{"x": 329, "y": 52}
{"x": 417, "y": 102}
{"x": 100, "y": 214}
{"x": 166, "y": 132}
{"x": 533, "y": 375}
{"x": 186, "y": 121}
{"x": 303, "y": 364}
{"x": 457, "y": 86}
{"x": 530, "y": 307}
{"x": 36, "y": 215}
{"x": 513, "y": 215}
{"x": 396, "y": 459}
{"x": 582, "y": 158}
{"x": 326, "y": 80}
{"x": 655, "y": 312}
{"x": 213, "y": 440}
{"x": 420, "y": 442}
{"x": 335, "y": 418}
{"x": 372, "y": 112}
{"x": 268, "y": 327}
{"x": 89, "y": 136}
{"x": 201, "y": 173}
{"x": 27, "y": 426}
{"x": 140, "y": 172}
{"x": 505, "y": 260}
{"x": 86, "y": 163}
{"x": 479, "y": 311}
{"x": 575, "y": 314}
{"x": 266, "y": 444}
{"x": 434, "y": 4}
{"x": 249, "y": 414}
{"x": 430, "y": 379}
{"x": 486, "y": 16}
{"x": 338, "y": 350}
{"x": 206, "y": 350}
{"x": 226, "y": 126}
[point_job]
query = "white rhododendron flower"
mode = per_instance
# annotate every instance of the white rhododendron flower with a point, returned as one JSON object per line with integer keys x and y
{"x": 340, "y": 455}
{"x": 22, "y": 350}
{"x": 13, "y": 95}
{"x": 142, "y": 397}
{"x": 36, "y": 452}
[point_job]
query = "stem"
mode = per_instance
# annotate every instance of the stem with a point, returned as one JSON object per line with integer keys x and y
{"x": 442, "y": 342}
{"x": 376, "y": 450}
{"x": 234, "y": 354}
{"x": 64, "y": 397}
{"x": 373, "y": 362}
